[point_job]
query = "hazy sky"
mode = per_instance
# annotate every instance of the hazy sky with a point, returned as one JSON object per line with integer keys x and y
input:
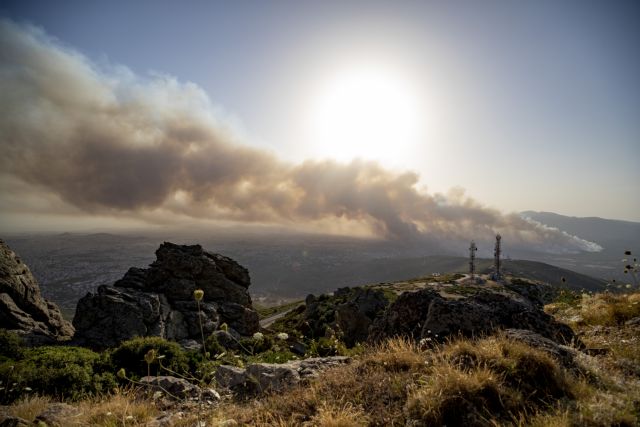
{"x": 526, "y": 105}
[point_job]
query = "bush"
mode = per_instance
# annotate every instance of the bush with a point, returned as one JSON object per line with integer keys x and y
{"x": 324, "y": 347}
{"x": 10, "y": 345}
{"x": 62, "y": 372}
{"x": 256, "y": 345}
{"x": 130, "y": 356}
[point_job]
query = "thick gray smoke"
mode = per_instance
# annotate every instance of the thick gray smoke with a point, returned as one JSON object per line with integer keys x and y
{"x": 106, "y": 141}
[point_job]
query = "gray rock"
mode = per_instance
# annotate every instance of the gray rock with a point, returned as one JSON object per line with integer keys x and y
{"x": 58, "y": 415}
{"x": 563, "y": 354}
{"x": 175, "y": 388}
{"x": 230, "y": 377}
{"x": 159, "y": 301}
{"x": 22, "y": 308}
{"x": 425, "y": 314}
{"x": 14, "y": 422}
{"x": 633, "y": 322}
{"x": 349, "y": 311}
{"x": 273, "y": 377}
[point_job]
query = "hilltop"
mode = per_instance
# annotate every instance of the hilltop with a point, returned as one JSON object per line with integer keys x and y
{"x": 441, "y": 349}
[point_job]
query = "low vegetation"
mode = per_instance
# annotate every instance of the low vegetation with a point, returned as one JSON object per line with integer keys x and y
{"x": 486, "y": 381}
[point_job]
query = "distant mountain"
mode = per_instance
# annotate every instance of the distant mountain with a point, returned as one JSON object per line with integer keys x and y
{"x": 605, "y": 232}
{"x": 614, "y": 236}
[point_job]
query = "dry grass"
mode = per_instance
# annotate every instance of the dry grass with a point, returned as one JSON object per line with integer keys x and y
{"x": 609, "y": 309}
{"x": 486, "y": 382}
{"x": 120, "y": 409}
{"x": 29, "y": 408}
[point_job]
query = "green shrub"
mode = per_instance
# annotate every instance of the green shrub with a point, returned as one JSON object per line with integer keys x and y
{"x": 327, "y": 347}
{"x": 213, "y": 346}
{"x": 11, "y": 345}
{"x": 62, "y": 372}
{"x": 130, "y": 356}
{"x": 256, "y": 345}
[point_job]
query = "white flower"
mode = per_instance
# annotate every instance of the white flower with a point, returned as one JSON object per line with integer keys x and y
{"x": 258, "y": 336}
{"x": 282, "y": 336}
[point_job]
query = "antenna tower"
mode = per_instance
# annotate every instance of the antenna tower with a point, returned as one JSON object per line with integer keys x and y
{"x": 497, "y": 274}
{"x": 472, "y": 259}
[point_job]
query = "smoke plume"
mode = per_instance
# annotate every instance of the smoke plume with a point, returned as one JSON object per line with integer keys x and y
{"x": 107, "y": 142}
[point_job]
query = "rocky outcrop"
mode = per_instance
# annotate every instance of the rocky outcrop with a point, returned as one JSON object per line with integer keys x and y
{"x": 564, "y": 355}
{"x": 174, "y": 389}
{"x": 159, "y": 301}
{"x": 22, "y": 307}
{"x": 350, "y": 312}
{"x": 273, "y": 377}
{"x": 426, "y": 314}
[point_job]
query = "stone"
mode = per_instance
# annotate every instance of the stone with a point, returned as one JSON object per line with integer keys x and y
{"x": 350, "y": 311}
{"x": 230, "y": 377}
{"x": 273, "y": 377}
{"x": 175, "y": 388}
{"x": 426, "y": 314}
{"x": 58, "y": 415}
{"x": 633, "y": 322}
{"x": 159, "y": 300}
{"x": 563, "y": 354}
{"x": 23, "y": 310}
{"x": 11, "y": 421}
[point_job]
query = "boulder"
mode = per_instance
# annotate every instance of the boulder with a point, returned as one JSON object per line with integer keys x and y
{"x": 58, "y": 415}
{"x": 23, "y": 309}
{"x": 159, "y": 300}
{"x": 426, "y": 314}
{"x": 563, "y": 354}
{"x": 174, "y": 389}
{"x": 349, "y": 311}
{"x": 273, "y": 377}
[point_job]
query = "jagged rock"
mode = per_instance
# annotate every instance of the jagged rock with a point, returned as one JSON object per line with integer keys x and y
{"x": 58, "y": 415}
{"x": 22, "y": 308}
{"x": 159, "y": 301}
{"x": 270, "y": 377}
{"x": 350, "y": 311}
{"x": 11, "y": 421}
{"x": 175, "y": 388}
{"x": 426, "y": 314}
{"x": 563, "y": 354}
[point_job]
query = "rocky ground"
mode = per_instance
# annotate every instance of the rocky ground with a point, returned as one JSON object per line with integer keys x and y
{"x": 449, "y": 349}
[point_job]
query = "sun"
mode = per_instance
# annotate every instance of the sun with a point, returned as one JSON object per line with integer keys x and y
{"x": 369, "y": 112}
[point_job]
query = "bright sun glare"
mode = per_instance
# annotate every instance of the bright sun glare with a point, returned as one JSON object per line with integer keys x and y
{"x": 367, "y": 112}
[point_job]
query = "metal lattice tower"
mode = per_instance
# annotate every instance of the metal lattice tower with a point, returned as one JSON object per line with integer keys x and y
{"x": 497, "y": 274}
{"x": 472, "y": 258}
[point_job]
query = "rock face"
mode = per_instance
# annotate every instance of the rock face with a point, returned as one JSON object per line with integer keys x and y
{"x": 22, "y": 308}
{"x": 159, "y": 301}
{"x": 273, "y": 377}
{"x": 349, "y": 311}
{"x": 426, "y": 314}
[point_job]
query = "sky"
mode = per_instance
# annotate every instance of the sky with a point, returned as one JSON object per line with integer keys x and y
{"x": 458, "y": 113}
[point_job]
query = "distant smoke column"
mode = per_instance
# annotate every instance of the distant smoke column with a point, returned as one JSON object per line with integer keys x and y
{"x": 497, "y": 275}
{"x": 472, "y": 258}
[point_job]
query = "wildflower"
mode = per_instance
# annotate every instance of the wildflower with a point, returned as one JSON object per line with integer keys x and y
{"x": 150, "y": 356}
{"x": 282, "y": 336}
{"x": 258, "y": 336}
{"x": 122, "y": 373}
{"x": 198, "y": 294}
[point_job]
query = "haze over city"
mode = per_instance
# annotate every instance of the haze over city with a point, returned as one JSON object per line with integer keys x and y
{"x": 398, "y": 120}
